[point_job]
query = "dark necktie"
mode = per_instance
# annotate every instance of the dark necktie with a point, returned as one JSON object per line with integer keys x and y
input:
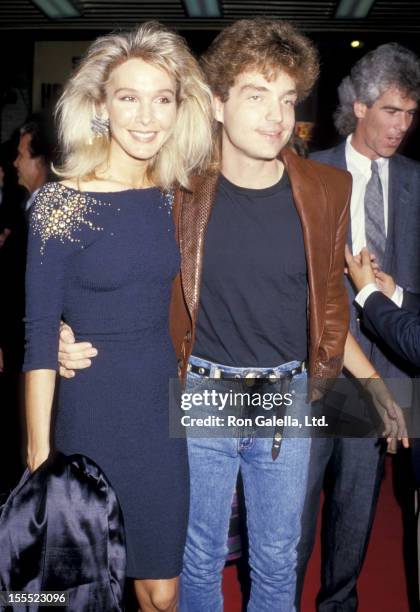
{"x": 375, "y": 215}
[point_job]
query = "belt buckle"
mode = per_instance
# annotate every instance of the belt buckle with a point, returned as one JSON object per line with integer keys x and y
{"x": 249, "y": 378}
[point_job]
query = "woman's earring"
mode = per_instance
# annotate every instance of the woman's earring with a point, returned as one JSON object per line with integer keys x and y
{"x": 99, "y": 126}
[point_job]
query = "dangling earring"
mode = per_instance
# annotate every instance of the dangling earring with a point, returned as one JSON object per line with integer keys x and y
{"x": 99, "y": 126}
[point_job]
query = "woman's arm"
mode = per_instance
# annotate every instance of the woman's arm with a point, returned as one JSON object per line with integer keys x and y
{"x": 39, "y": 394}
{"x": 49, "y": 250}
{"x": 355, "y": 361}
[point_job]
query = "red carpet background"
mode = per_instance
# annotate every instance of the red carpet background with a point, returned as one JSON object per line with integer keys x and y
{"x": 382, "y": 584}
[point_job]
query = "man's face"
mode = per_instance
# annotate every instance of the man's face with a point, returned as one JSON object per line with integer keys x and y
{"x": 28, "y": 168}
{"x": 382, "y": 127}
{"x": 259, "y": 116}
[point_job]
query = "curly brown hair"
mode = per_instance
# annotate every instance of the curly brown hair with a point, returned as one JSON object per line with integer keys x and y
{"x": 265, "y": 45}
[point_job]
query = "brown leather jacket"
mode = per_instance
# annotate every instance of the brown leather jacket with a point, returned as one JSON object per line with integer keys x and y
{"x": 321, "y": 194}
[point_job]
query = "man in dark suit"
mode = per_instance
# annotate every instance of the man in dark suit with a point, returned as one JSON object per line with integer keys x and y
{"x": 32, "y": 164}
{"x": 378, "y": 101}
{"x": 399, "y": 328}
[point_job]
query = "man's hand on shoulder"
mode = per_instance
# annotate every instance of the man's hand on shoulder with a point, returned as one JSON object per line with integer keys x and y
{"x": 73, "y": 355}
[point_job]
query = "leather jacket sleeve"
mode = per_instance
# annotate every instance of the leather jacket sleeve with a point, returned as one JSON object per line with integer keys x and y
{"x": 329, "y": 359}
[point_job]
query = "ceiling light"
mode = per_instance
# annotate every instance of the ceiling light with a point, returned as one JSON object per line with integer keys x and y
{"x": 353, "y": 9}
{"x": 356, "y": 44}
{"x": 57, "y": 9}
{"x": 203, "y": 8}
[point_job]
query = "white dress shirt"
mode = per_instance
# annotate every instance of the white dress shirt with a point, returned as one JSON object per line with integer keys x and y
{"x": 367, "y": 290}
{"x": 360, "y": 168}
{"x": 31, "y": 200}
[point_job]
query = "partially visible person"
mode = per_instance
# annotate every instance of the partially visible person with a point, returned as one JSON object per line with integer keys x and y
{"x": 4, "y": 236}
{"x": 12, "y": 269}
{"x": 378, "y": 102}
{"x": 134, "y": 122}
{"x": 298, "y": 145}
{"x": 4, "y": 231}
{"x": 13, "y": 238}
{"x": 398, "y": 326}
{"x": 395, "y": 319}
{"x": 35, "y": 154}
{"x": 32, "y": 164}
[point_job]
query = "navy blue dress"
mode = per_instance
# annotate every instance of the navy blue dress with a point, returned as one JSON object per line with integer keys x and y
{"x": 104, "y": 262}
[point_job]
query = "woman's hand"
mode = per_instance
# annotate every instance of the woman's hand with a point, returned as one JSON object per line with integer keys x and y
{"x": 390, "y": 412}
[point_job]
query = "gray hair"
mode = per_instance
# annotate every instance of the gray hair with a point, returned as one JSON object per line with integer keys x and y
{"x": 389, "y": 65}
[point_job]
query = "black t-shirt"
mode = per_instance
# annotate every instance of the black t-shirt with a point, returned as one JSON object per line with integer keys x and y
{"x": 254, "y": 286}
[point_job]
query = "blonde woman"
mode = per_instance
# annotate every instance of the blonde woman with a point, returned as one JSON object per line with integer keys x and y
{"x": 133, "y": 123}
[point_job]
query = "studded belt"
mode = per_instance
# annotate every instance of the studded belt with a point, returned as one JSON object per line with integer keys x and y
{"x": 252, "y": 378}
{"x": 249, "y": 377}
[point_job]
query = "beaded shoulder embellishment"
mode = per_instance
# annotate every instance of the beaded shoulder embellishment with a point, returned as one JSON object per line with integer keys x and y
{"x": 61, "y": 212}
{"x": 167, "y": 200}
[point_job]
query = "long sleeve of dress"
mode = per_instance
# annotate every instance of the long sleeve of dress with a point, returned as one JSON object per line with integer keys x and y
{"x": 56, "y": 233}
{"x": 45, "y": 279}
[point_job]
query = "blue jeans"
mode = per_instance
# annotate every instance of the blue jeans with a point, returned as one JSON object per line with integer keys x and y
{"x": 274, "y": 497}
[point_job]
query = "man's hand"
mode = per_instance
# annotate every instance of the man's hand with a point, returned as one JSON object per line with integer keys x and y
{"x": 363, "y": 269}
{"x": 73, "y": 355}
{"x": 360, "y": 268}
{"x": 385, "y": 283}
{"x": 389, "y": 411}
{"x": 4, "y": 236}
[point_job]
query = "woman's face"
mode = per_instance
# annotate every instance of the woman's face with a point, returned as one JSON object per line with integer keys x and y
{"x": 141, "y": 106}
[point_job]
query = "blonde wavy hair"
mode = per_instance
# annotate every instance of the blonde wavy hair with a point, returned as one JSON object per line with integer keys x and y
{"x": 187, "y": 149}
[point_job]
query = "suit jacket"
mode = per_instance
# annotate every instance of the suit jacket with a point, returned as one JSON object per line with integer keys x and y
{"x": 402, "y": 255}
{"x": 321, "y": 196}
{"x": 398, "y": 327}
